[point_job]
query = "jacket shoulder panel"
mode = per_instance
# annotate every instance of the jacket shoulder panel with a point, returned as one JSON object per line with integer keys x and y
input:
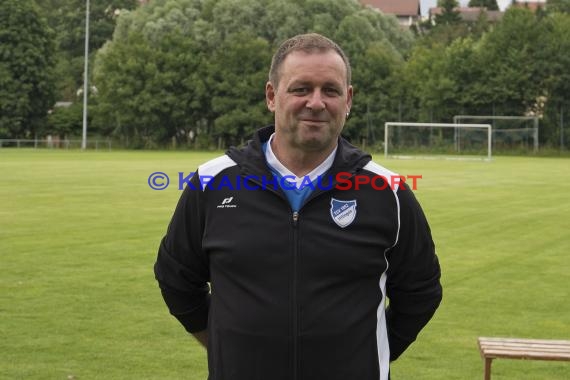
{"x": 379, "y": 169}
{"x": 212, "y": 168}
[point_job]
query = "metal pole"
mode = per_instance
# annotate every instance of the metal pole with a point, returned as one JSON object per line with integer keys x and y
{"x": 561, "y": 127}
{"x": 85, "y": 77}
{"x": 385, "y": 140}
{"x": 536, "y": 134}
{"x": 489, "y": 142}
{"x": 455, "y": 135}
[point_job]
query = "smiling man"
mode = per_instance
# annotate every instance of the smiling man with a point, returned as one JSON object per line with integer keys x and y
{"x": 291, "y": 282}
{"x": 310, "y": 94}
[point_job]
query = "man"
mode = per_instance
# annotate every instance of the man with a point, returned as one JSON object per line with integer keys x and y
{"x": 278, "y": 263}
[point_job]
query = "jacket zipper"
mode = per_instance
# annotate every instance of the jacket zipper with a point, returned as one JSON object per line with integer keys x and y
{"x": 295, "y": 306}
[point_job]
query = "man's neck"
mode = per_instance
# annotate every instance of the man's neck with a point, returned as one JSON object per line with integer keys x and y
{"x": 299, "y": 162}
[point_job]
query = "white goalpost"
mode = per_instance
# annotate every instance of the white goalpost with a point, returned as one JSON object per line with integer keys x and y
{"x": 454, "y": 143}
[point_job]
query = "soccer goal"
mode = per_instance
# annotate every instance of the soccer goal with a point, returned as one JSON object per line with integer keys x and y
{"x": 510, "y": 133}
{"x": 437, "y": 140}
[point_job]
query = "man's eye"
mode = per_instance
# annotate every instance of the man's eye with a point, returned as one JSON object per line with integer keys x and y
{"x": 299, "y": 90}
{"x": 332, "y": 91}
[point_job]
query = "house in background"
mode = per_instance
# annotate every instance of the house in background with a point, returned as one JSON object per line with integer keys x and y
{"x": 406, "y": 11}
{"x": 468, "y": 14}
{"x": 532, "y": 5}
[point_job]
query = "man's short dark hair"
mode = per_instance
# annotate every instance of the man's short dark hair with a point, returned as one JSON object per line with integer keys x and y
{"x": 308, "y": 43}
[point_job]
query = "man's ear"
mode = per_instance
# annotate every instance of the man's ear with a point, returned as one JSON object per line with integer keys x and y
{"x": 270, "y": 96}
{"x": 349, "y": 94}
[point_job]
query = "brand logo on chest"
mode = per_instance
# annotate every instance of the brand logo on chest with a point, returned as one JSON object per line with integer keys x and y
{"x": 343, "y": 213}
{"x": 227, "y": 203}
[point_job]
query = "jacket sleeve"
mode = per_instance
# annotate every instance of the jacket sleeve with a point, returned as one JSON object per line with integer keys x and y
{"x": 181, "y": 267}
{"x": 413, "y": 283}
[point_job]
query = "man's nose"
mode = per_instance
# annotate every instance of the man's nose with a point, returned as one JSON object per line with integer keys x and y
{"x": 315, "y": 102}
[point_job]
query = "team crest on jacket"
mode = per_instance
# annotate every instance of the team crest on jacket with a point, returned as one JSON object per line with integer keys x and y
{"x": 343, "y": 212}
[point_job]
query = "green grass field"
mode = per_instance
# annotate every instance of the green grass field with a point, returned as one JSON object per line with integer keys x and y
{"x": 79, "y": 233}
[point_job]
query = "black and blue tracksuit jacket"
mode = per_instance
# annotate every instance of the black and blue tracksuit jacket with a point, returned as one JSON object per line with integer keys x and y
{"x": 298, "y": 295}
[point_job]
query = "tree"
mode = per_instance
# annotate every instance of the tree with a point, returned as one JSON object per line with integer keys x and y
{"x": 463, "y": 67}
{"x": 491, "y": 5}
{"x": 449, "y": 26}
{"x": 153, "y": 76}
{"x": 238, "y": 99}
{"x": 555, "y": 56}
{"x": 429, "y": 82}
{"x": 375, "y": 64}
{"x": 67, "y": 19}
{"x": 63, "y": 121}
{"x": 177, "y": 68}
{"x": 519, "y": 67}
{"x": 449, "y": 14}
{"x": 148, "y": 92}
{"x": 377, "y": 84}
{"x": 509, "y": 57}
{"x": 561, "y": 6}
{"x": 26, "y": 69}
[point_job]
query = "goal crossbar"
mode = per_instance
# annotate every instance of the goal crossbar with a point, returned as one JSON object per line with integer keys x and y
{"x": 488, "y": 127}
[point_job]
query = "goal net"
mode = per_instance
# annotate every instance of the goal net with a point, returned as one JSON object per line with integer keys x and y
{"x": 437, "y": 140}
{"x": 510, "y": 133}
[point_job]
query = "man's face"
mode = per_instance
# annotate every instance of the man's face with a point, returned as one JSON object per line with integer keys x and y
{"x": 311, "y": 100}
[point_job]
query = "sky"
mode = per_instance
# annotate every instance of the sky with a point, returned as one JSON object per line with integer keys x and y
{"x": 427, "y": 4}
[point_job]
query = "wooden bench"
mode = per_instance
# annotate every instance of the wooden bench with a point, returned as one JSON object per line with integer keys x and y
{"x": 527, "y": 349}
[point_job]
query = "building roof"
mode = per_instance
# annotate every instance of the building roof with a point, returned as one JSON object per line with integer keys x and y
{"x": 469, "y": 14}
{"x": 395, "y": 7}
{"x": 462, "y": 10}
{"x": 474, "y": 16}
{"x": 532, "y": 5}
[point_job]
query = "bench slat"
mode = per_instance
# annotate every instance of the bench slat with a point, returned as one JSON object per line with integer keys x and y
{"x": 525, "y": 341}
{"x": 497, "y": 344}
{"x": 527, "y": 355}
{"x": 534, "y": 348}
{"x": 524, "y": 348}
